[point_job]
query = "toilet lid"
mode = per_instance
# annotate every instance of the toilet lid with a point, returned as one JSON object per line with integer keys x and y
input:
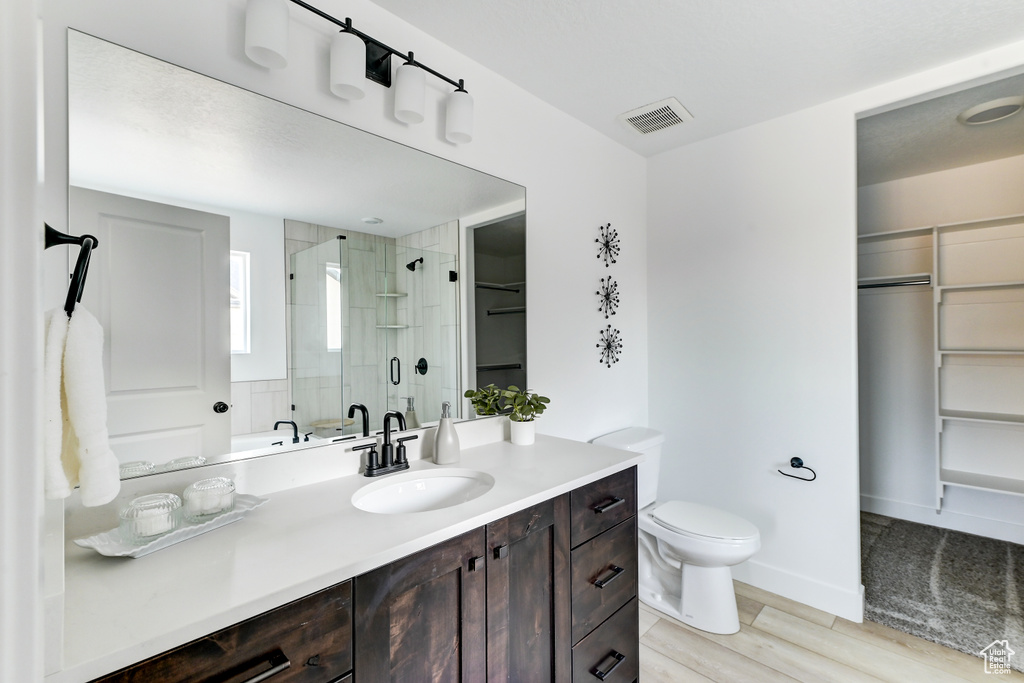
{"x": 702, "y": 520}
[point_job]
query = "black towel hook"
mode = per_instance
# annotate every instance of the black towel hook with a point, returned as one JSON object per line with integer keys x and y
{"x": 797, "y": 463}
{"x": 87, "y": 244}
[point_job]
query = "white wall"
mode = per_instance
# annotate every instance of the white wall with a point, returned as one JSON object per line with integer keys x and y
{"x": 753, "y": 357}
{"x": 576, "y": 179}
{"x": 21, "y": 343}
{"x": 753, "y": 345}
{"x": 898, "y": 446}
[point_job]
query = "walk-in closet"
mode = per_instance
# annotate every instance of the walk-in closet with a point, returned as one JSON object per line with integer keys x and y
{"x": 941, "y": 362}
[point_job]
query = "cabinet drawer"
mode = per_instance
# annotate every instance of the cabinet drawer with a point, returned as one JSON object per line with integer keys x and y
{"x": 601, "y": 505}
{"x": 603, "y": 577}
{"x": 313, "y": 634}
{"x": 612, "y": 649}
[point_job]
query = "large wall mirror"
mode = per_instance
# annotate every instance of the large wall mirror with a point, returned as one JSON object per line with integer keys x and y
{"x": 260, "y": 265}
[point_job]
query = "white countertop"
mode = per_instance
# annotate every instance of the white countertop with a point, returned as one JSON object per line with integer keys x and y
{"x": 119, "y": 611}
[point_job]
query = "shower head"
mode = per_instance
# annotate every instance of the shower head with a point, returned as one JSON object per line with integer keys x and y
{"x": 411, "y": 265}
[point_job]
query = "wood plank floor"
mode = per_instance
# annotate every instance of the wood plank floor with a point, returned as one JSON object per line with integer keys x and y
{"x": 782, "y": 640}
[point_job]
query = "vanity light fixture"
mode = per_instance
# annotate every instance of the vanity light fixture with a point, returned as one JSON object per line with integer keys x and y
{"x": 410, "y": 87}
{"x": 356, "y": 56}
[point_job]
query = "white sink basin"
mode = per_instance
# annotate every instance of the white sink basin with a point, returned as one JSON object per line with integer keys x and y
{"x": 422, "y": 491}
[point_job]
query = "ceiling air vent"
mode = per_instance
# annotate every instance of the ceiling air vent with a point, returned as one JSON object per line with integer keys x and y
{"x": 656, "y": 116}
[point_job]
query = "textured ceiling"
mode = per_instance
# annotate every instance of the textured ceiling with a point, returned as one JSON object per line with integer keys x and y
{"x": 926, "y": 137}
{"x": 141, "y": 126}
{"x": 731, "y": 63}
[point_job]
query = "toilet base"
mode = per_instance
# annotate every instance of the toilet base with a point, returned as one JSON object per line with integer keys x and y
{"x": 701, "y": 597}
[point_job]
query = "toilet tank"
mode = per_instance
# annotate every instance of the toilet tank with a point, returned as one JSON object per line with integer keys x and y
{"x": 639, "y": 440}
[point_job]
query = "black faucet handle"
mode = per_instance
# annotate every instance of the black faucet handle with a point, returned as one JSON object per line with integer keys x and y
{"x": 372, "y": 462}
{"x": 400, "y": 457}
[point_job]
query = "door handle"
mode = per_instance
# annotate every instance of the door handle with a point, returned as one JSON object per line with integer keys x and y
{"x": 220, "y": 407}
{"x": 396, "y": 370}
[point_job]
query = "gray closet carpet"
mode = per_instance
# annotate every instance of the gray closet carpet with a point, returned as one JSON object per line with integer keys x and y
{"x": 951, "y": 588}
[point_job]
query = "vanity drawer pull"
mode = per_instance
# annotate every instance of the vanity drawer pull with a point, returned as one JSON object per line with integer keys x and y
{"x": 605, "y": 507}
{"x": 616, "y": 573}
{"x": 278, "y": 662}
{"x": 476, "y": 563}
{"x": 617, "y": 656}
{"x": 501, "y": 552}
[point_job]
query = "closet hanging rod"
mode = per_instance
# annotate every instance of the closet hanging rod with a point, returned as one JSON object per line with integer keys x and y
{"x": 87, "y": 243}
{"x": 897, "y": 282}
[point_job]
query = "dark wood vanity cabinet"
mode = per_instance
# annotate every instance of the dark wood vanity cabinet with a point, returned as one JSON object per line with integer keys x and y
{"x": 605, "y": 611}
{"x": 545, "y": 595}
{"x": 424, "y": 617}
{"x": 306, "y": 641}
{"x": 560, "y": 583}
{"x": 528, "y": 595}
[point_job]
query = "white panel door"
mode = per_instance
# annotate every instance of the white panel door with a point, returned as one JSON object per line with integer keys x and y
{"x": 158, "y": 283}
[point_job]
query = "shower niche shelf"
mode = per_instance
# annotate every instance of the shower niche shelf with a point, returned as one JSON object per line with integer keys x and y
{"x": 391, "y": 295}
{"x": 392, "y": 327}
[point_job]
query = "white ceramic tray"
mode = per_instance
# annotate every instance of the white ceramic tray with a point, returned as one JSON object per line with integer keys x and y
{"x": 110, "y": 543}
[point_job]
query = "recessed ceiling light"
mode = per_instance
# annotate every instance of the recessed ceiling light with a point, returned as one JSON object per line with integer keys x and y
{"x": 988, "y": 112}
{"x": 372, "y": 220}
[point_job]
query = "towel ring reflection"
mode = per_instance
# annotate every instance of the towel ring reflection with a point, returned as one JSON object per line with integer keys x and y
{"x": 797, "y": 463}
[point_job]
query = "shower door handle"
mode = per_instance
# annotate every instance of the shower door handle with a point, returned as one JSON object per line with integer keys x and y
{"x": 396, "y": 370}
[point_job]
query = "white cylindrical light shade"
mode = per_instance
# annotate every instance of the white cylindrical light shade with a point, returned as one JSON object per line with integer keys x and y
{"x": 348, "y": 66}
{"x": 266, "y": 32}
{"x": 459, "y": 118}
{"x": 410, "y": 88}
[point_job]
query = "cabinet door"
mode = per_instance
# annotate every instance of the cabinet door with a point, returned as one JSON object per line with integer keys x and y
{"x": 528, "y": 595}
{"x": 423, "y": 618}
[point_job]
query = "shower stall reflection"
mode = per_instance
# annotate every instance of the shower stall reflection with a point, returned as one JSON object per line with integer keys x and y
{"x": 363, "y": 326}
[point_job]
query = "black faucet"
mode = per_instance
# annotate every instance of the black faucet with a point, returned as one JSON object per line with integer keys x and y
{"x": 295, "y": 428}
{"x": 388, "y": 462}
{"x": 365, "y": 414}
{"x": 387, "y": 450}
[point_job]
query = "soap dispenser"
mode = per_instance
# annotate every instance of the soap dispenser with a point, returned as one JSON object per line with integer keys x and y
{"x": 446, "y": 440}
{"x": 410, "y": 413}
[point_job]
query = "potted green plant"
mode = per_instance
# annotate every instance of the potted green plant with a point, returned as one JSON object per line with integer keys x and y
{"x": 525, "y": 406}
{"x": 485, "y": 400}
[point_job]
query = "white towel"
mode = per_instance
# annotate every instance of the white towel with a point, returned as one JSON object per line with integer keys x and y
{"x": 77, "y": 446}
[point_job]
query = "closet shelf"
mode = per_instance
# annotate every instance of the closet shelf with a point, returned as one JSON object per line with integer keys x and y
{"x": 894, "y": 234}
{"x": 981, "y": 352}
{"x": 986, "y": 482}
{"x": 506, "y": 311}
{"x": 981, "y": 285}
{"x": 927, "y": 229}
{"x": 986, "y": 418}
{"x": 513, "y": 287}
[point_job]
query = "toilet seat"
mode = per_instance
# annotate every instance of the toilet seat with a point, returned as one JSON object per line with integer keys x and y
{"x": 702, "y": 521}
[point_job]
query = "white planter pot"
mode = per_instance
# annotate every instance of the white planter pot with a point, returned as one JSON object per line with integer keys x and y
{"x": 522, "y": 433}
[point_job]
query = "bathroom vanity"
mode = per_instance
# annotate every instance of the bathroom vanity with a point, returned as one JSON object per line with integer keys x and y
{"x": 534, "y": 580}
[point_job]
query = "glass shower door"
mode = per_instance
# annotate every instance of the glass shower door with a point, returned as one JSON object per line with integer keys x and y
{"x": 318, "y": 338}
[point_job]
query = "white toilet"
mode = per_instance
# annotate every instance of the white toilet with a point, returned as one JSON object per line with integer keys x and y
{"x": 686, "y": 549}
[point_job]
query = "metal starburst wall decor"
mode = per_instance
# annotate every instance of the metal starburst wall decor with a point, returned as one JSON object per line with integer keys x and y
{"x": 610, "y": 345}
{"x": 608, "y": 244}
{"x": 608, "y": 296}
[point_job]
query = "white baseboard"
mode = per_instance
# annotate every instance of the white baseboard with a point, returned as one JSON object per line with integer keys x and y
{"x": 946, "y": 519}
{"x": 842, "y": 602}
